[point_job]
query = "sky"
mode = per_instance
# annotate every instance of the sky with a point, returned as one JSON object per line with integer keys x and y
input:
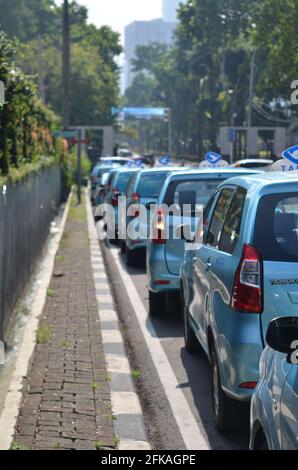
{"x": 119, "y": 13}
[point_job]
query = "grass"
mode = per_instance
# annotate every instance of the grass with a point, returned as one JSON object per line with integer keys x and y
{"x": 59, "y": 258}
{"x": 97, "y": 445}
{"x": 136, "y": 373}
{"x": 95, "y": 385}
{"x": 116, "y": 441}
{"x": 77, "y": 211}
{"x": 44, "y": 334}
{"x": 18, "y": 446}
{"x": 108, "y": 378}
{"x": 64, "y": 344}
{"x": 18, "y": 174}
{"x": 50, "y": 292}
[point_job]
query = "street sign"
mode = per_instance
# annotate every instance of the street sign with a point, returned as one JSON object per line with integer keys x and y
{"x": 231, "y": 135}
{"x": 213, "y": 160}
{"x": 289, "y": 162}
{"x": 2, "y": 93}
{"x": 164, "y": 160}
{"x": 65, "y": 134}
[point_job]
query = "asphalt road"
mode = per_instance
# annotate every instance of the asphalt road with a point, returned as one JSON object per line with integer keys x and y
{"x": 192, "y": 372}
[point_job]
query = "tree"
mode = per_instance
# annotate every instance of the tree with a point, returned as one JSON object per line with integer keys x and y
{"x": 94, "y": 70}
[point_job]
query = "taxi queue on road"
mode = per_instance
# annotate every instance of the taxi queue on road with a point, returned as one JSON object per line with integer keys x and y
{"x": 238, "y": 287}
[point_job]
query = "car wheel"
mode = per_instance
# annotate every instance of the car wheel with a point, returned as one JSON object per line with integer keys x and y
{"x": 130, "y": 257}
{"x": 222, "y": 405}
{"x": 190, "y": 340}
{"x": 157, "y": 303}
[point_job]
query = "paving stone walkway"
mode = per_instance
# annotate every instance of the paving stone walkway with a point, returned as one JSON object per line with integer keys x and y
{"x": 66, "y": 402}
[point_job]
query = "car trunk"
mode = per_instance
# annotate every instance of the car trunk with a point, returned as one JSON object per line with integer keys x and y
{"x": 280, "y": 291}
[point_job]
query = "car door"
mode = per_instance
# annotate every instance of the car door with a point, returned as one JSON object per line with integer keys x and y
{"x": 289, "y": 410}
{"x": 191, "y": 256}
{"x": 204, "y": 263}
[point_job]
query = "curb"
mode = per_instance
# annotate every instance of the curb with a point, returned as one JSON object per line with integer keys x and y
{"x": 129, "y": 423}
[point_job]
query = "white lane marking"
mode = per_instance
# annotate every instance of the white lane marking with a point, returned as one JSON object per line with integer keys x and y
{"x": 189, "y": 429}
{"x": 125, "y": 403}
{"x": 108, "y": 316}
{"x": 111, "y": 336}
{"x": 117, "y": 363}
{"x": 133, "y": 445}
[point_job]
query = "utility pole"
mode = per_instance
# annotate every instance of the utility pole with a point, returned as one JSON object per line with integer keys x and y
{"x": 79, "y": 166}
{"x": 170, "y": 146}
{"x": 41, "y": 88}
{"x": 66, "y": 64}
{"x": 251, "y": 87}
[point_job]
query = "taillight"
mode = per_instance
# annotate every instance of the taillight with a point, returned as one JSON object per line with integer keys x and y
{"x": 159, "y": 228}
{"x": 115, "y": 195}
{"x": 135, "y": 197}
{"x": 247, "y": 294}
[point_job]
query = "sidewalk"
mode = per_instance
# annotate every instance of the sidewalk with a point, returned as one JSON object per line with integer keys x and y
{"x": 66, "y": 400}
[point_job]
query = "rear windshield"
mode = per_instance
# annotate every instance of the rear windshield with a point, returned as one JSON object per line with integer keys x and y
{"x": 191, "y": 192}
{"x": 276, "y": 229}
{"x": 122, "y": 181}
{"x": 101, "y": 171}
{"x": 150, "y": 184}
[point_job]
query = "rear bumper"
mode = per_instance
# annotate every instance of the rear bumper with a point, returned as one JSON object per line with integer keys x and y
{"x": 239, "y": 345}
{"x": 158, "y": 273}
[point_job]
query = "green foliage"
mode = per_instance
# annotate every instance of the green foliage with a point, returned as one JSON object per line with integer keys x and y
{"x": 204, "y": 78}
{"x": 25, "y": 123}
{"x": 94, "y": 71}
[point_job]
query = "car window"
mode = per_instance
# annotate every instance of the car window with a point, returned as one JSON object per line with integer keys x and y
{"x": 150, "y": 184}
{"x": 218, "y": 218}
{"x": 276, "y": 228}
{"x": 122, "y": 181}
{"x": 231, "y": 229}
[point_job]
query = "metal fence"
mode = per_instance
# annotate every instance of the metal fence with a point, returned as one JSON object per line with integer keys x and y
{"x": 26, "y": 211}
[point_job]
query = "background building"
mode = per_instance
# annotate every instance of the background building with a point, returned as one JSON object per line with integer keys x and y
{"x": 169, "y": 10}
{"x": 143, "y": 33}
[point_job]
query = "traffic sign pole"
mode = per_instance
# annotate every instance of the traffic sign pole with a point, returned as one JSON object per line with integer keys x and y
{"x": 79, "y": 166}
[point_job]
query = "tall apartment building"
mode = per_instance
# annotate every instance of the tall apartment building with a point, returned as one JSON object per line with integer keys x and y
{"x": 169, "y": 10}
{"x": 144, "y": 33}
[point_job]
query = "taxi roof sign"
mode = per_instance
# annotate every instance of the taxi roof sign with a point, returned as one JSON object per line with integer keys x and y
{"x": 289, "y": 161}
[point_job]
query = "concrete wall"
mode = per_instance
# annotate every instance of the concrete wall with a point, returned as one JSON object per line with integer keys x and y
{"x": 26, "y": 211}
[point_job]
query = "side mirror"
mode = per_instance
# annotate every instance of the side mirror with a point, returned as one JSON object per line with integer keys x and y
{"x": 210, "y": 237}
{"x": 183, "y": 232}
{"x": 282, "y": 335}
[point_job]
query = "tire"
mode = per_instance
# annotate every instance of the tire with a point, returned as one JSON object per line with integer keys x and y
{"x": 190, "y": 340}
{"x": 122, "y": 247}
{"x": 130, "y": 258}
{"x": 157, "y": 304}
{"x": 263, "y": 444}
{"x": 223, "y": 406}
